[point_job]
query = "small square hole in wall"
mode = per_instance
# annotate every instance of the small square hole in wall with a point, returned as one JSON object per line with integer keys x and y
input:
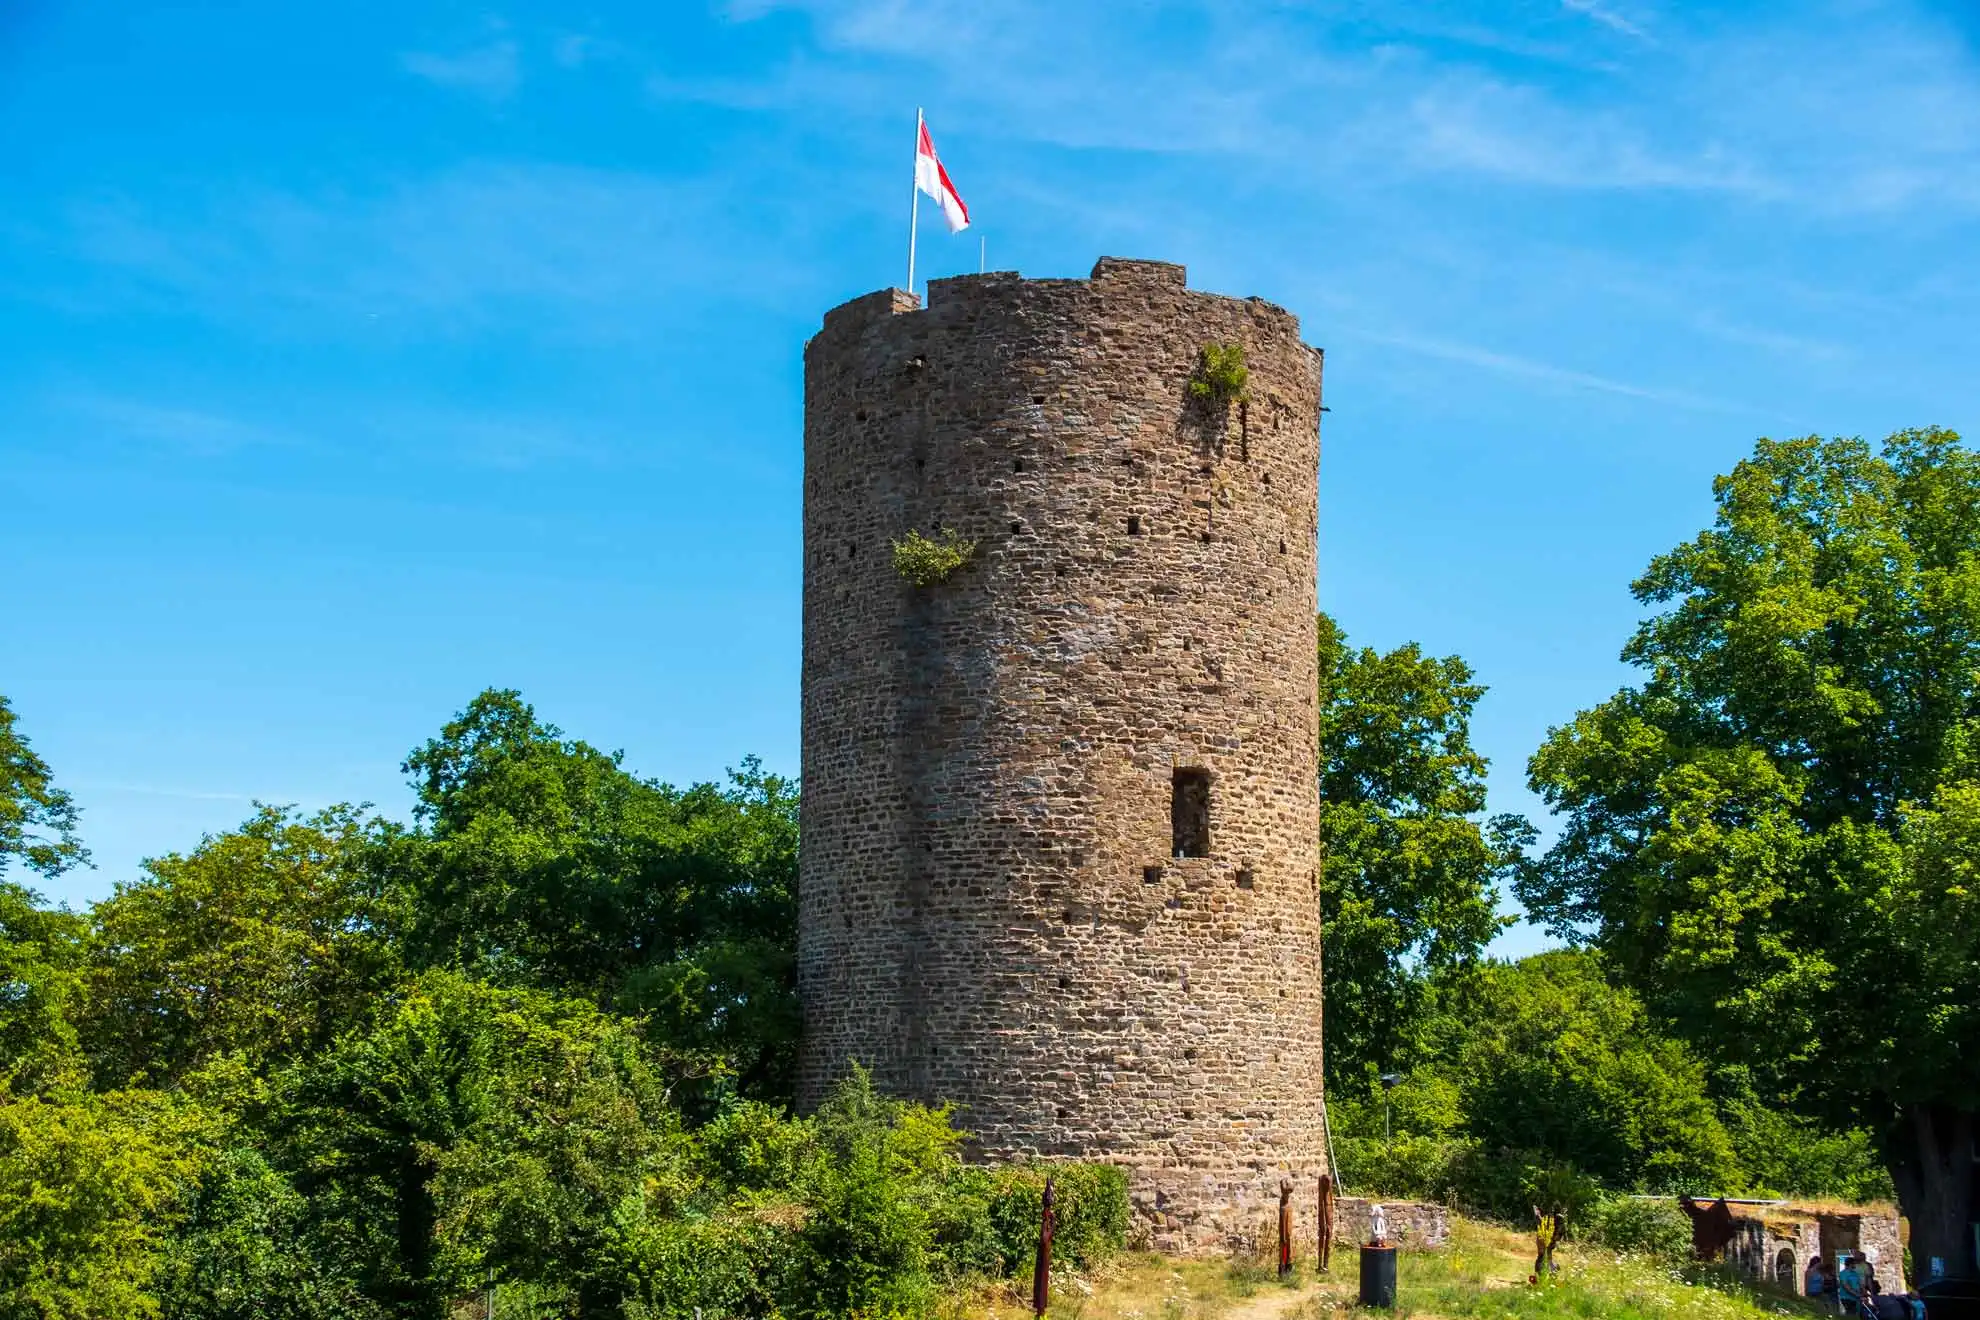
{"x": 1189, "y": 812}
{"x": 1245, "y": 879}
{"x": 1151, "y": 875}
{"x": 1134, "y": 527}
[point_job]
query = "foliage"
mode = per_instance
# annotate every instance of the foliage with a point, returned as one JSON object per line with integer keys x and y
{"x": 243, "y": 1252}
{"x": 264, "y": 941}
{"x": 1790, "y": 1155}
{"x": 542, "y": 861}
{"x": 1220, "y": 376}
{"x": 470, "y": 1129}
{"x": 41, "y": 955}
{"x": 1775, "y": 835}
{"x": 1558, "y": 1060}
{"x": 1647, "y": 1225}
{"x": 37, "y": 819}
{"x": 924, "y": 561}
{"x": 91, "y": 1186}
{"x": 1408, "y": 871}
{"x": 1090, "y": 1213}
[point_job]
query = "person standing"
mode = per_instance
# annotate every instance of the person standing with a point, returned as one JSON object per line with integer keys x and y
{"x": 1849, "y": 1287}
{"x": 1811, "y": 1278}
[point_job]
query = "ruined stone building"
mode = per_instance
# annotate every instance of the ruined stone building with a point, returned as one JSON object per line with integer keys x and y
{"x": 1060, "y": 810}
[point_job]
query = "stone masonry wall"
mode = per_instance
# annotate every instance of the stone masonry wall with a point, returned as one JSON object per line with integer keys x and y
{"x": 991, "y": 913}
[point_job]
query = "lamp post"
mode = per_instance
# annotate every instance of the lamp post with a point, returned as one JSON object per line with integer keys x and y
{"x": 1390, "y": 1081}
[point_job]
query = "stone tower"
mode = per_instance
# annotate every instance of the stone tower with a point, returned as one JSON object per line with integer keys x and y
{"x": 1060, "y": 811}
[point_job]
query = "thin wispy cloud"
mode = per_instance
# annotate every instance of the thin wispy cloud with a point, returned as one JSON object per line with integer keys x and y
{"x": 492, "y": 70}
{"x": 1606, "y": 16}
{"x": 1527, "y": 368}
{"x": 193, "y": 432}
{"x": 591, "y": 251}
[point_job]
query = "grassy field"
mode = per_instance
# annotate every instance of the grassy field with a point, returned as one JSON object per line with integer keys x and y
{"x": 1483, "y": 1273}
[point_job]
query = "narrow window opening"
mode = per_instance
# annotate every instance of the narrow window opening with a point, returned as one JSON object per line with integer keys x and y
{"x": 852, "y": 548}
{"x": 1134, "y": 527}
{"x": 1151, "y": 875}
{"x": 1017, "y": 465}
{"x": 1189, "y": 813}
{"x": 1016, "y": 528}
{"x": 1282, "y": 545}
{"x": 1038, "y": 398}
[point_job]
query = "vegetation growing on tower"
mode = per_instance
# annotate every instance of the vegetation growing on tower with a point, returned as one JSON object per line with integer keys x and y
{"x": 924, "y": 561}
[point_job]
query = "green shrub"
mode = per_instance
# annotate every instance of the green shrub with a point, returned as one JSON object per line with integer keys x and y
{"x": 1220, "y": 376}
{"x": 1090, "y": 1205}
{"x": 1650, "y": 1226}
{"x": 1419, "y": 1168}
{"x": 924, "y": 562}
{"x": 731, "y": 1264}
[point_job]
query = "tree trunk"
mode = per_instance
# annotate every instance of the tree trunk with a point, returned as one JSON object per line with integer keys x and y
{"x": 1935, "y": 1175}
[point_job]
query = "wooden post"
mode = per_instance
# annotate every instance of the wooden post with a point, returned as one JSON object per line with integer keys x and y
{"x": 1285, "y": 1227}
{"x": 1325, "y": 1247}
{"x": 1041, "y": 1269}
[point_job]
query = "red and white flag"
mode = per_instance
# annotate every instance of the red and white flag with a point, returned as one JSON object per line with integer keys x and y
{"x": 932, "y": 179}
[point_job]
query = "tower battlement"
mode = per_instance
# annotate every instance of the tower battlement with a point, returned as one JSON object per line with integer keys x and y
{"x": 1060, "y": 811}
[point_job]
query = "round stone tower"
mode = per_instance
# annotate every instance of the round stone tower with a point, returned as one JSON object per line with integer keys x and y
{"x": 1061, "y": 810}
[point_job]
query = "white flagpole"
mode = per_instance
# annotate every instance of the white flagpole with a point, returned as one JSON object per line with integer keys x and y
{"x": 914, "y": 211}
{"x": 982, "y": 251}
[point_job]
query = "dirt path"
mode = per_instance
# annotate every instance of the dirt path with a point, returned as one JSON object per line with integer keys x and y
{"x": 1271, "y": 1303}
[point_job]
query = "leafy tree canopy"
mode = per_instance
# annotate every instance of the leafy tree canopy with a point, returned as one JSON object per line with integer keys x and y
{"x": 264, "y": 942}
{"x": 37, "y": 819}
{"x": 1775, "y": 835}
{"x": 543, "y": 861}
{"x": 1409, "y": 870}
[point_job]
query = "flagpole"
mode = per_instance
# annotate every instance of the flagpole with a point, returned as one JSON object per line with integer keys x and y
{"x": 914, "y": 208}
{"x": 982, "y": 251}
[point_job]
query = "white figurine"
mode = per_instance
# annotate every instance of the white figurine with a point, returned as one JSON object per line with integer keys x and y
{"x": 1378, "y": 1225}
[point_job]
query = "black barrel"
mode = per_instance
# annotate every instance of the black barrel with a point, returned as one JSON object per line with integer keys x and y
{"x": 1378, "y": 1276}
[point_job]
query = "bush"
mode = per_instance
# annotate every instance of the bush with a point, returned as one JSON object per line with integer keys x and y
{"x": 1221, "y": 375}
{"x": 1649, "y": 1226}
{"x": 1503, "y": 1185}
{"x": 1090, "y": 1205}
{"x": 1419, "y": 1168}
{"x": 924, "y": 562}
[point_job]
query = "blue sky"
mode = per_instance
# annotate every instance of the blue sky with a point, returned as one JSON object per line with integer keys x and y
{"x": 347, "y": 367}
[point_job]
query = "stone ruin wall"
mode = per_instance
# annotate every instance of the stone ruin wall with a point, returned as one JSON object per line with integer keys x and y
{"x": 1774, "y": 1242}
{"x": 991, "y": 911}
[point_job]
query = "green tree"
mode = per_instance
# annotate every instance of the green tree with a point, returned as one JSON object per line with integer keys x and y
{"x": 1409, "y": 870}
{"x": 90, "y": 1188}
{"x": 1775, "y": 834}
{"x": 41, "y": 958}
{"x": 471, "y": 1130}
{"x": 542, "y": 861}
{"x": 1555, "y": 1060}
{"x": 37, "y": 819}
{"x": 265, "y": 941}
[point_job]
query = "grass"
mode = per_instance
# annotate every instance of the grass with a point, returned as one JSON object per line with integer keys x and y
{"x": 1483, "y": 1273}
